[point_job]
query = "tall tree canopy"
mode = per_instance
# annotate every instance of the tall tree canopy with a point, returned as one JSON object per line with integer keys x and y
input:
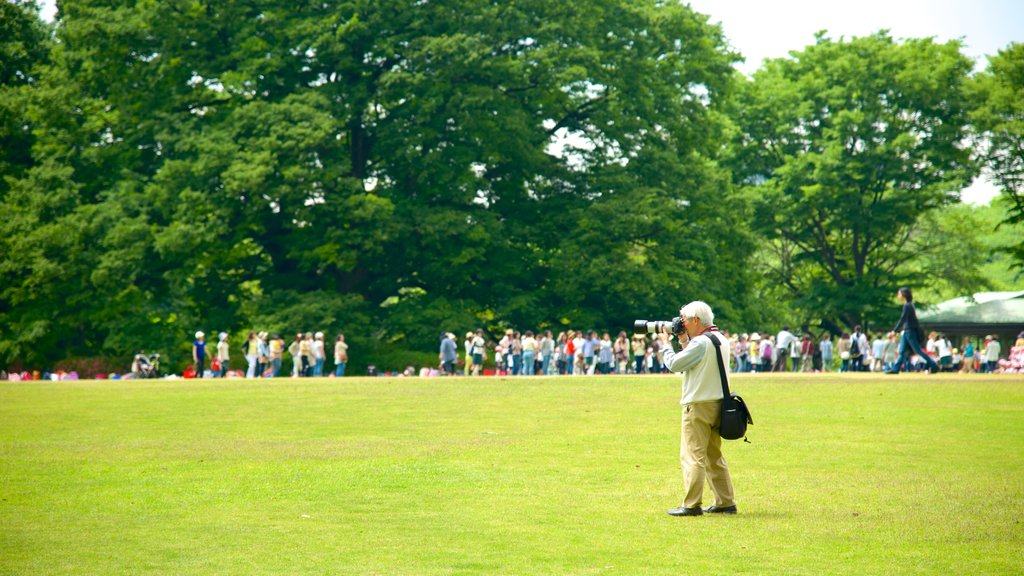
{"x": 23, "y": 48}
{"x": 999, "y": 120}
{"x": 842, "y": 148}
{"x": 388, "y": 167}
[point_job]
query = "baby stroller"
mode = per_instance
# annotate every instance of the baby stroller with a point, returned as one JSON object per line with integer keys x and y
{"x": 146, "y": 366}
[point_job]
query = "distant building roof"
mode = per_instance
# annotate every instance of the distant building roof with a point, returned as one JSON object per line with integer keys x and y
{"x": 1003, "y": 311}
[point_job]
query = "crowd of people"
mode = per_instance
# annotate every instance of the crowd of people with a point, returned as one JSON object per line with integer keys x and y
{"x": 585, "y": 352}
{"x": 264, "y": 355}
{"x": 861, "y": 352}
{"x": 575, "y": 352}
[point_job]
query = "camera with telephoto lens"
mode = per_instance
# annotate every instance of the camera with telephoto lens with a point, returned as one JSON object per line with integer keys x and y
{"x": 674, "y": 325}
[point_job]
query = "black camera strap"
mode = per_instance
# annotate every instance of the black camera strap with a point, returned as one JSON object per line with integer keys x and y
{"x": 728, "y": 402}
{"x": 721, "y": 366}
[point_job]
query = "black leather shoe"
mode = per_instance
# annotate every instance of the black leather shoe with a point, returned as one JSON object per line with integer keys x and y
{"x": 721, "y": 509}
{"x": 686, "y": 511}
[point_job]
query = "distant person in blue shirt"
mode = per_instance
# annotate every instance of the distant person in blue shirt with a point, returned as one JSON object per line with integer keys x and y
{"x": 448, "y": 353}
{"x": 968, "y": 366}
{"x": 199, "y": 353}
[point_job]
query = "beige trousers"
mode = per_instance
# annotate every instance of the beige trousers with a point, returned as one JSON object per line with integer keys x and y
{"x": 701, "y": 455}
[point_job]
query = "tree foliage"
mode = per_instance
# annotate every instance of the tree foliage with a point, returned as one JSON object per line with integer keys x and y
{"x": 999, "y": 121}
{"x": 841, "y": 149}
{"x": 387, "y": 168}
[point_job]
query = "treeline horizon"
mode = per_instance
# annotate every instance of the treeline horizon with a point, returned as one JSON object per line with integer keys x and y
{"x": 391, "y": 169}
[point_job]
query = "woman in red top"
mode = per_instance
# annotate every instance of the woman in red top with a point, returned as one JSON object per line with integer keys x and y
{"x": 570, "y": 352}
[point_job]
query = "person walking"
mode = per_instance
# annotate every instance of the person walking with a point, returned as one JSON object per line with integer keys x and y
{"x": 478, "y": 351}
{"x": 605, "y": 355}
{"x": 295, "y": 349}
{"x": 591, "y": 346}
{"x": 560, "y": 354}
{"x": 807, "y": 353}
{"x": 516, "y": 348}
{"x": 858, "y": 349}
{"x": 639, "y": 350}
{"x": 795, "y": 353}
{"x": 276, "y": 345}
{"x": 467, "y": 346}
{"x": 570, "y": 352}
{"x": 319, "y": 354}
{"x": 223, "y": 354}
{"x": 890, "y": 351}
{"x": 878, "y": 353}
{"x": 755, "y": 352}
{"x": 341, "y": 355}
{"x": 621, "y": 352}
{"x": 251, "y": 351}
{"x": 547, "y": 350}
{"x": 992, "y": 352}
{"x": 826, "y": 352}
{"x": 909, "y": 342}
{"x": 968, "y": 366}
{"x": 199, "y": 353}
{"x": 529, "y": 346}
{"x": 783, "y": 342}
{"x": 306, "y": 351}
{"x": 843, "y": 347}
{"x": 263, "y": 357}
{"x": 944, "y": 351}
{"x": 766, "y": 350}
{"x": 742, "y": 353}
{"x": 447, "y": 354}
{"x": 701, "y": 446}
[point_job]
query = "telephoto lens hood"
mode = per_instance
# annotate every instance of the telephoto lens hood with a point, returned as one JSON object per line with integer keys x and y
{"x": 649, "y": 326}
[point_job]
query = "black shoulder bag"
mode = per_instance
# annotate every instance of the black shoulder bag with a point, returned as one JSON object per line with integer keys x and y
{"x": 735, "y": 414}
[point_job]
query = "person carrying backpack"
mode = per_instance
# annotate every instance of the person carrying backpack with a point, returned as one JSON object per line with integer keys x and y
{"x": 910, "y": 340}
{"x": 858, "y": 344}
{"x": 766, "y": 354}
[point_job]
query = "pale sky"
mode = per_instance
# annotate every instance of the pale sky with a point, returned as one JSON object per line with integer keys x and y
{"x": 760, "y": 29}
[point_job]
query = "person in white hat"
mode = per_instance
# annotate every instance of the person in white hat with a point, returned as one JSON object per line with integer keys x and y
{"x": 318, "y": 354}
{"x": 223, "y": 353}
{"x": 992, "y": 351}
{"x": 755, "y": 352}
{"x": 448, "y": 353}
{"x": 199, "y": 353}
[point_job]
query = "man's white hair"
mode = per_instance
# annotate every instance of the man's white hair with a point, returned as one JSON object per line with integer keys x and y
{"x": 699, "y": 310}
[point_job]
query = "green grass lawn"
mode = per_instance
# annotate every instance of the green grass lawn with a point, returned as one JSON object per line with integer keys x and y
{"x": 852, "y": 474}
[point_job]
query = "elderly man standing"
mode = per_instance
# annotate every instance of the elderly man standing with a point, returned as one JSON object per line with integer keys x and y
{"x": 701, "y": 451}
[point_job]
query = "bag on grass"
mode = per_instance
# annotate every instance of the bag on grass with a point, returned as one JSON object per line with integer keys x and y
{"x": 735, "y": 415}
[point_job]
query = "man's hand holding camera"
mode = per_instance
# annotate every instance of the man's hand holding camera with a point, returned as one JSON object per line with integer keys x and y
{"x": 666, "y": 336}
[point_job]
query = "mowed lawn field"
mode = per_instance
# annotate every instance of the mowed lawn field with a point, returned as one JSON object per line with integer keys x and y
{"x": 845, "y": 474}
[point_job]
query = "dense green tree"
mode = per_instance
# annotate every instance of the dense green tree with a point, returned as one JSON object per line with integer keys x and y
{"x": 952, "y": 245}
{"x": 385, "y": 167}
{"x": 842, "y": 148}
{"x": 999, "y": 121}
{"x": 24, "y": 45}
